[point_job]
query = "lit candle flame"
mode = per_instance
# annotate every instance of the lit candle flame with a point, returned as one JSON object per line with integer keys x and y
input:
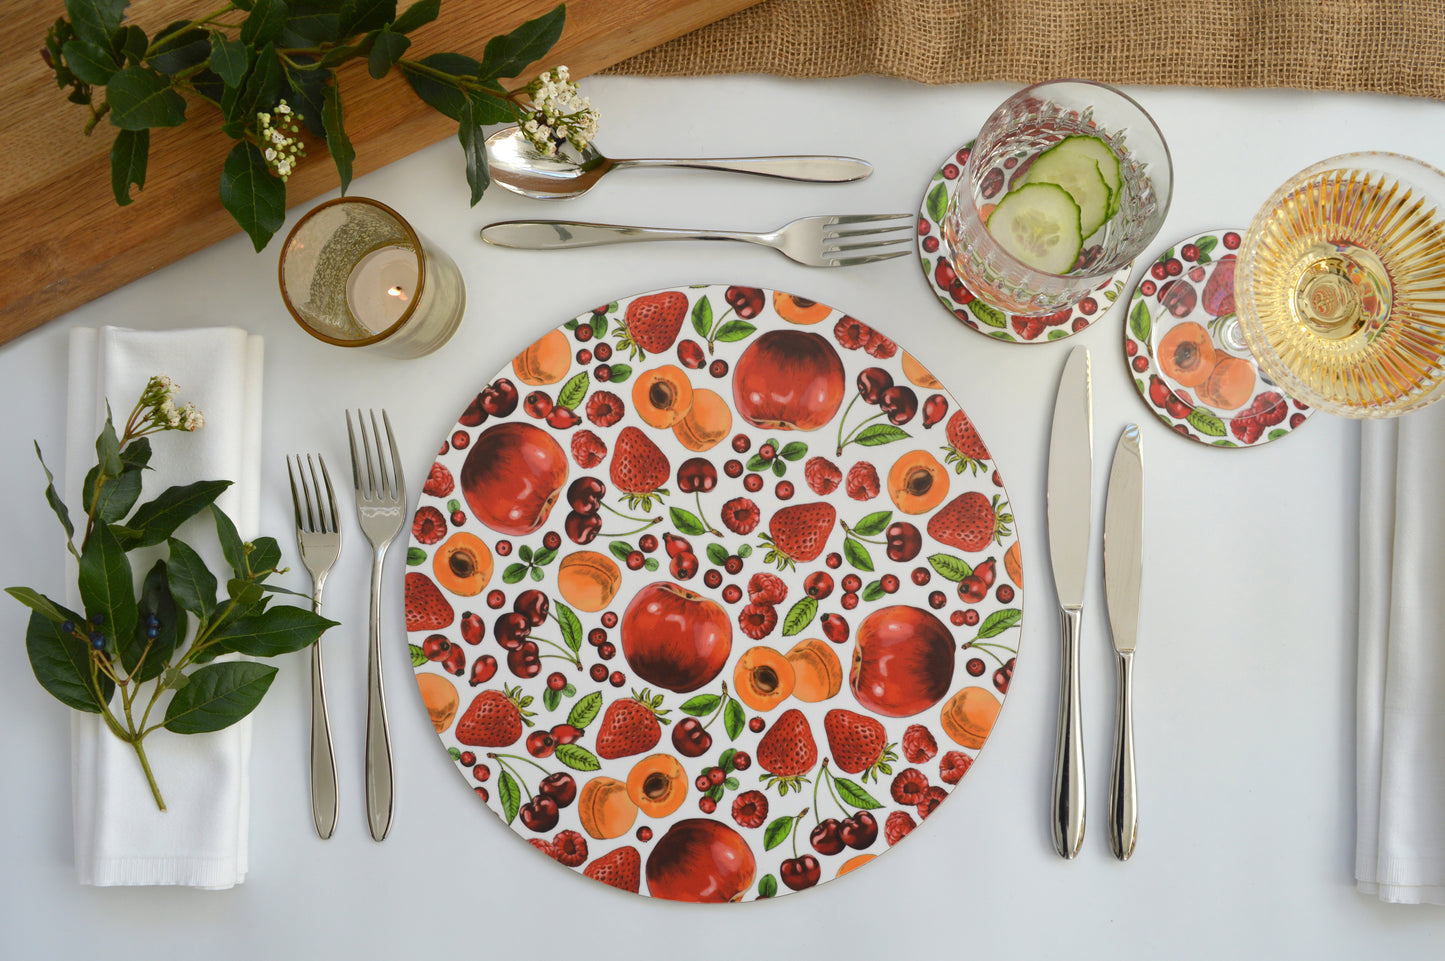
{"x": 398, "y": 293}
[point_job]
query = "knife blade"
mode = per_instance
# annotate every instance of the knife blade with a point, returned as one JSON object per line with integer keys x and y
{"x": 1070, "y": 499}
{"x": 1123, "y": 574}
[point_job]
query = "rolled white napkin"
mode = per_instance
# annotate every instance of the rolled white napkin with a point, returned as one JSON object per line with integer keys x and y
{"x": 1400, "y": 698}
{"x": 121, "y": 838}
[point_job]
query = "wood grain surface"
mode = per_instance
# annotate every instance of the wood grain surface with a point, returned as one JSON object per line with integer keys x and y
{"x": 65, "y": 241}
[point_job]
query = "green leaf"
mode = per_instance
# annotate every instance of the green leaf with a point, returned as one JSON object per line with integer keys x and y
{"x": 386, "y": 50}
{"x": 577, "y": 757}
{"x": 251, "y": 195}
{"x": 128, "y": 156}
{"x": 571, "y": 625}
{"x": 651, "y": 564}
{"x": 416, "y": 15}
{"x": 768, "y": 886}
{"x": 1205, "y": 245}
{"x": 987, "y": 315}
{"x": 757, "y": 463}
{"x": 473, "y": 140}
{"x": 117, "y": 496}
{"x": 725, "y": 760}
{"x": 39, "y": 603}
{"x": 440, "y": 96}
{"x": 777, "y": 832}
{"x": 620, "y": 373}
{"x": 734, "y": 718}
{"x": 998, "y": 622}
{"x": 342, "y": 153}
{"x": 620, "y": 549}
{"x": 938, "y": 202}
{"x": 880, "y": 434}
{"x": 305, "y": 91}
{"x": 192, "y": 583}
{"x": 1205, "y": 422}
{"x": 61, "y": 663}
{"x": 180, "y": 51}
{"x": 310, "y": 23}
{"x": 264, "y": 558}
{"x": 715, "y": 792}
{"x": 854, "y": 794}
{"x": 107, "y": 450}
{"x": 230, "y": 59}
{"x": 159, "y": 518}
{"x": 702, "y": 317}
{"x": 91, "y": 62}
{"x": 415, "y": 556}
{"x": 734, "y": 330}
{"x": 155, "y": 599}
{"x": 717, "y": 554}
{"x": 573, "y": 391}
{"x": 280, "y": 630}
{"x": 510, "y": 795}
{"x": 264, "y": 23}
{"x": 701, "y": 705}
{"x": 686, "y": 522}
{"x": 952, "y": 568}
{"x": 52, "y": 497}
{"x": 263, "y": 83}
{"x": 551, "y": 699}
{"x": 875, "y": 523}
{"x": 799, "y": 616}
{"x": 585, "y": 711}
{"x": 418, "y": 656}
{"x": 217, "y": 696}
{"x": 129, "y": 43}
{"x": 1139, "y": 322}
{"x": 96, "y": 20}
{"x": 745, "y": 550}
{"x": 106, "y": 585}
{"x": 873, "y": 591}
{"x": 857, "y": 554}
{"x": 794, "y": 451}
{"x": 232, "y": 547}
{"x": 359, "y": 16}
{"x": 780, "y": 467}
{"x": 139, "y": 97}
{"x": 1278, "y": 432}
{"x": 510, "y": 54}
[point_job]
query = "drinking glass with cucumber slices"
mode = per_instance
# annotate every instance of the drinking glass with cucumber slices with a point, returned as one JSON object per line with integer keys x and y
{"x": 1067, "y": 182}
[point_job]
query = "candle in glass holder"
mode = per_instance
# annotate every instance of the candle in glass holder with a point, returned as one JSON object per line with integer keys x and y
{"x": 381, "y": 285}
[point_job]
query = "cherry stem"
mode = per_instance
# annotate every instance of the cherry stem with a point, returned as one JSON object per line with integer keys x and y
{"x": 512, "y": 771}
{"x": 821, "y": 774}
{"x": 853, "y": 533}
{"x": 986, "y": 648}
{"x": 701, "y": 516}
{"x": 794, "y": 833}
{"x": 629, "y": 517}
{"x": 722, "y": 706}
{"x": 712, "y": 333}
{"x": 842, "y": 420}
{"x": 833, "y": 790}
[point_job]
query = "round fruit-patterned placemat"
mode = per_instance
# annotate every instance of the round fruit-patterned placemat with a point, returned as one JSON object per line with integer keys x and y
{"x": 1187, "y": 353}
{"x": 713, "y": 594}
{"x": 958, "y": 300}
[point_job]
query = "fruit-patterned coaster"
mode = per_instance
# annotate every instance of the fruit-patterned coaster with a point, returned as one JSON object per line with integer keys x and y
{"x": 1187, "y": 353}
{"x": 714, "y": 593}
{"x": 958, "y": 300}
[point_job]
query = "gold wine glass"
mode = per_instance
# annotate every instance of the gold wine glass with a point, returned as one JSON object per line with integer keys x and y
{"x": 1341, "y": 285}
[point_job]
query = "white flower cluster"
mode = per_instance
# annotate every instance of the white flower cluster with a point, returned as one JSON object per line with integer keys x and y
{"x": 280, "y": 145}
{"x": 560, "y": 114}
{"x": 159, "y": 396}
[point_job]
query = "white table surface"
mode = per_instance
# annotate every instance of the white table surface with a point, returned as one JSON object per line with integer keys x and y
{"x": 1245, "y": 676}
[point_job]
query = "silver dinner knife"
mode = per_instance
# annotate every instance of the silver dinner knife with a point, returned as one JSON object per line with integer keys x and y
{"x": 1123, "y": 572}
{"x": 1071, "y": 464}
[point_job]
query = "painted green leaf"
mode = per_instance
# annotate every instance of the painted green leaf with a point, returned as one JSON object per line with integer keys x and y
{"x": 620, "y": 373}
{"x": 510, "y": 796}
{"x": 218, "y": 695}
{"x": 734, "y": 718}
{"x": 570, "y": 624}
{"x": 1139, "y": 323}
{"x": 853, "y": 794}
{"x": 701, "y": 705}
{"x": 768, "y": 886}
{"x": 686, "y": 522}
{"x": 938, "y": 202}
{"x": 950, "y": 567}
{"x": 717, "y": 554}
{"x": 777, "y": 832}
{"x": 987, "y": 315}
{"x": 418, "y": 656}
{"x": 857, "y": 554}
{"x": 1205, "y": 422}
{"x": 998, "y": 622}
{"x": 702, "y": 317}
{"x": 577, "y": 757}
{"x": 793, "y": 451}
{"x": 873, "y": 524}
{"x": 874, "y": 591}
{"x": 585, "y": 710}
{"x": 734, "y": 330}
{"x": 799, "y": 616}
{"x": 573, "y": 391}
{"x": 880, "y": 434}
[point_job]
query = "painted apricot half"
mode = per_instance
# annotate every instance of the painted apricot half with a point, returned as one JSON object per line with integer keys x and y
{"x": 763, "y": 678}
{"x": 588, "y": 580}
{"x": 657, "y": 784}
{"x": 546, "y": 361}
{"x": 1186, "y": 354}
{"x": 440, "y": 698}
{"x": 463, "y": 565}
{"x": 968, "y": 716}
{"x": 917, "y": 482}
{"x": 799, "y": 310}
{"x": 817, "y": 672}
{"x": 605, "y": 809}
{"x": 706, "y": 423}
{"x": 1013, "y": 564}
{"x": 854, "y": 863}
{"x": 662, "y": 395}
{"x": 920, "y": 376}
{"x": 1230, "y": 384}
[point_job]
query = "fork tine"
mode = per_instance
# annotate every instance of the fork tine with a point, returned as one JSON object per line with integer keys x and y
{"x": 384, "y": 489}
{"x": 837, "y": 248}
{"x": 371, "y": 488}
{"x": 306, "y": 494}
{"x": 355, "y": 460}
{"x": 399, "y": 490}
{"x": 865, "y": 232}
{"x": 295, "y": 498}
{"x": 846, "y": 219}
{"x": 320, "y": 504}
{"x": 330, "y": 494}
{"x": 853, "y": 261}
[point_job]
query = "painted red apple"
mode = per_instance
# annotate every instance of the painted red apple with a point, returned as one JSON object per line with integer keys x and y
{"x": 788, "y": 380}
{"x": 512, "y": 476}
{"x": 902, "y": 661}
{"x": 675, "y": 639}
{"x": 700, "y": 860}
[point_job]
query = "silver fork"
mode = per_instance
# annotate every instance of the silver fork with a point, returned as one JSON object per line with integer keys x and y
{"x": 380, "y": 499}
{"x": 838, "y": 241}
{"x": 318, "y": 538}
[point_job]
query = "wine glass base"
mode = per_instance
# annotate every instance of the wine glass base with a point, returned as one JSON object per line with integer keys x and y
{"x": 977, "y": 314}
{"x": 1186, "y": 350}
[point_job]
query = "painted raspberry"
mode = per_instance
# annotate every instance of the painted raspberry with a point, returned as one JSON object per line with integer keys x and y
{"x": 588, "y": 450}
{"x": 765, "y": 588}
{"x": 880, "y": 346}
{"x": 851, "y": 333}
{"x": 910, "y": 786}
{"x": 758, "y": 620}
{"x": 430, "y": 526}
{"x": 822, "y": 475}
{"x": 751, "y": 809}
{"x": 605, "y": 408}
{"x": 919, "y": 745}
{"x": 546, "y": 847}
{"x": 863, "y": 482}
{"x": 953, "y": 766}
{"x": 439, "y": 482}
{"x": 571, "y": 848}
{"x": 897, "y": 827}
{"x": 932, "y": 799}
{"x": 740, "y": 515}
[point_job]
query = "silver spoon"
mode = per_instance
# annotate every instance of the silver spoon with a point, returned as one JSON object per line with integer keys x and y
{"x": 518, "y": 167}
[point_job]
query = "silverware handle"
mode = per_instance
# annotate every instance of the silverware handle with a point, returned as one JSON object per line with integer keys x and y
{"x": 379, "y": 777}
{"x": 324, "y": 787}
{"x": 1123, "y": 799}
{"x": 1069, "y": 807}
{"x": 564, "y": 234}
{"x": 833, "y": 170}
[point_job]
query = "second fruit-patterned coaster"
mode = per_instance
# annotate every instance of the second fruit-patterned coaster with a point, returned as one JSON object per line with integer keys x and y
{"x": 985, "y": 318}
{"x": 1187, "y": 352}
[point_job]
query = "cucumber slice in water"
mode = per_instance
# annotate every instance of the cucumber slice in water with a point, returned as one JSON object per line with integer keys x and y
{"x": 1098, "y": 151}
{"x": 1039, "y": 224}
{"x": 1078, "y": 174}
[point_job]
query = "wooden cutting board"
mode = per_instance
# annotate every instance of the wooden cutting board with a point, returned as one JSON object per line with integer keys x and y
{"x": 64, "y": 240}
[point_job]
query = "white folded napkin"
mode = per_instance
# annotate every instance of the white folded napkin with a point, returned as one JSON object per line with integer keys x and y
{"x": 1400, "y": 698}
{"x": 121, "y": 838}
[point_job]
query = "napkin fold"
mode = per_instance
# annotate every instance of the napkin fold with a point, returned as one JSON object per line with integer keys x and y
{"x": 121, "y": 838}
{"x": 1400, "y": 697}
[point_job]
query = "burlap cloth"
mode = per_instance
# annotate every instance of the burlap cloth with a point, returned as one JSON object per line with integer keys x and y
{"x": 1385, "y": 46}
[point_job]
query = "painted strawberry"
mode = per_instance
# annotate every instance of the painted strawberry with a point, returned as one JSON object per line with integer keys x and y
{"x": 788, "y": 751}
{"x": 798, "y": 533}
{"x": 494, "y": 718}
{"x": 639, "y": 468}
{"x": 620, "y": 868}
{"x": 630, "y": 726}
{"x": 439, "y": 482}
{"x": 970, "y": 522}
{"x": 965, "y": 448}
{"x": 426, "y": 609}
{"x": 858, "y": 743}
{"x": 654, "y": 320}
